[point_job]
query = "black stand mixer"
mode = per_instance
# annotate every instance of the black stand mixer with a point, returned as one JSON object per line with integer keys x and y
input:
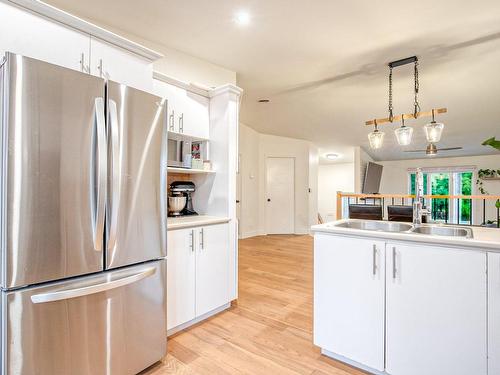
{"x": 184, "y": 189}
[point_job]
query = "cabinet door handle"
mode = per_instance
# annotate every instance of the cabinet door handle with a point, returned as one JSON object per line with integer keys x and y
{"x": 394, "y": 271}
{"x": 181, "y": 123}
{"x": 202, "y": 239}
{"x": 99, "y": 67}
{"x": 374, "y": 265}
{"x": 191, "y": 245}
{"x": 171, "y": 120}
{"x": 83, "y": 67}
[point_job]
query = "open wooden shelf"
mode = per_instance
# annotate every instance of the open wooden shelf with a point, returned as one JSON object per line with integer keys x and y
{"x": 188, "y": 171}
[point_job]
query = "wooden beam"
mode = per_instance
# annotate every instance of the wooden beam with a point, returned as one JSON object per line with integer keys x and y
{"x": 339, "y": 205}
{"x": 407, "y": 116}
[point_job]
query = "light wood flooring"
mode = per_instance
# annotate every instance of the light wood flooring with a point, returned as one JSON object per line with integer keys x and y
{"x": 269, "y": 330}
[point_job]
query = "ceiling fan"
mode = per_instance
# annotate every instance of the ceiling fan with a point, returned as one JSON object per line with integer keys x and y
{"x": 433, "y": 150}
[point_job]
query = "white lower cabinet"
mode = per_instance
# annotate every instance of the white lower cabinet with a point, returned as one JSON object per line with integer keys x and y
{"x": 436, "y": 311}
{"x": 198, "y": 272}
{"x": 493, "y": 313}
{"x": 212, "y": 268}
{"x": 349, "y": 287}
{"x": 181, "y": 271}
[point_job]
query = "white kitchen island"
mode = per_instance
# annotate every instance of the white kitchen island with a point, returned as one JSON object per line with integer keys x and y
{"x": 403, "y": 303}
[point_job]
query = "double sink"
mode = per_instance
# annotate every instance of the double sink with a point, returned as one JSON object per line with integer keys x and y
{"x": 388, "y": 226}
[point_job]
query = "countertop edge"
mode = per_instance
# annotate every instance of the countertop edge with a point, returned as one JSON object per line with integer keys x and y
{"x": 198, "y": 221}
{"x": 463, "y": 243}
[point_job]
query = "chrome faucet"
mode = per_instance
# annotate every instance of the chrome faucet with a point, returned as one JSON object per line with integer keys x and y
{"x": 418, "y": 211}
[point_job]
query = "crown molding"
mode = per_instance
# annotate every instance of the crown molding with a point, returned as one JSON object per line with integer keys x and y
{"x": 227, "y": 88}
{"x": 56, "y": 14}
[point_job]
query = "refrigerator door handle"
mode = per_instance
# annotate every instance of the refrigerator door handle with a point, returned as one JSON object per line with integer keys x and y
{"x": 115, "y": 174}
{"x": 99, "y": 162}
{"x": 92, "y": 289}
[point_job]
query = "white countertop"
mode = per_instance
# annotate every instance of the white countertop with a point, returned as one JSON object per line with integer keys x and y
{"x": 483, "y": 238}
{"x": 194, "y": 221}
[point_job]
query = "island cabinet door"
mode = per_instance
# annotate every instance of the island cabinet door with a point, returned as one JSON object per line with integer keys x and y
{"x": 349, "y": 278}
{"x": 493, "y": 313}
{"x": 436, "y": 311}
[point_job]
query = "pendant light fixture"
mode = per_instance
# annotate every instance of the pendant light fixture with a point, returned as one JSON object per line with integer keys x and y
{"x": 404, "y": 133}
{"x": 376, "y": 138}
{"x": 433, "y": 130}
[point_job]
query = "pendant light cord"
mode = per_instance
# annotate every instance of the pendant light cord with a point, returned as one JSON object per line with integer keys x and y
{"x": 391, "y": 109}
{"x": 416, "y": 109}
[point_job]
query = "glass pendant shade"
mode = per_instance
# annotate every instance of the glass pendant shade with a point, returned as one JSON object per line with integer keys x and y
{"x": 433, "y": 131}
{"x": 376, "y": 139}
{"x": 403, "y": 135}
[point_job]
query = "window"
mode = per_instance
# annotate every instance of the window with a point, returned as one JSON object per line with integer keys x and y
{"x": 447, "y": 181}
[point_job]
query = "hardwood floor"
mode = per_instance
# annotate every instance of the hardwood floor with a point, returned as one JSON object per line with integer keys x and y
{"x": 269, "y": 330}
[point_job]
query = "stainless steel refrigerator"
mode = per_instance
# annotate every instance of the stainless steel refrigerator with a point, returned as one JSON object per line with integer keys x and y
{"x": 83, "y": 222}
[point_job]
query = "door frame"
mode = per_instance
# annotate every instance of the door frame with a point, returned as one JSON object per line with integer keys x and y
{"x": 267, "y": 157}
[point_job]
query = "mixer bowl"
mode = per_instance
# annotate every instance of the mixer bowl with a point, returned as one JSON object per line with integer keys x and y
{"x": 176, "y": 204}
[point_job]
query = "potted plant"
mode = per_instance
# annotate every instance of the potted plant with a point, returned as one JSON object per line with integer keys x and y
{"x": 492, "y": 142}
{"x": 490, "y": 223}
{"x": 484, "y": 174}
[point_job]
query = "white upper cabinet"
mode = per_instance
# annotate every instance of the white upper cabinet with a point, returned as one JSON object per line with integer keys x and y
{"x": 436, "y": 311}
{"x": 196, "y": 115}
{"x": 493, "y": 313}
{"x": 188, "y": 112}
{"x": 28, "y": 34}
{"x": 349, "y": 287}
{"x": 119, "y": 65}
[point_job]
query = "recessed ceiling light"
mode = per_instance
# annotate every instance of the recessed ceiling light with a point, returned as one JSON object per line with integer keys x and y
{"x": 332, "y": 156}
{"x": 242, "y": 18}
{"x": 263, "y": 100}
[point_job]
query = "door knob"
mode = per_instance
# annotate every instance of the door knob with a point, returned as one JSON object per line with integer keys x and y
{"x": 237, "y": 201}
{"x": 269, "y": 199}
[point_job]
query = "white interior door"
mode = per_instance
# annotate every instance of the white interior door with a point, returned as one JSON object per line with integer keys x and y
{"x": 280, "y": 189}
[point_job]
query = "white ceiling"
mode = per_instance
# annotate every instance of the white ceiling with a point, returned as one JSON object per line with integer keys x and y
{"x": 323, "y": 63}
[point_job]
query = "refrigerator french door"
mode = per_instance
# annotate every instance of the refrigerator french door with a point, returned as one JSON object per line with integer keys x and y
{"x": 83, "y": 222}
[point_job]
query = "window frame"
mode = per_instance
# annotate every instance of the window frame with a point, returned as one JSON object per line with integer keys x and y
{"x": 454, "y": 172}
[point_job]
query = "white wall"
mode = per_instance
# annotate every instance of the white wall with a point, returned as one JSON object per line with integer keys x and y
{"x": 254, "y": 150}
{"x": 333, "y": 178}
{"x": 250, "y": 175}
{"x": 313, "y": 184}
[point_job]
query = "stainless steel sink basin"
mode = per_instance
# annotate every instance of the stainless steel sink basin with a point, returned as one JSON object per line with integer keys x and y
{"x": 391, "y": 226}
{"x": 375, "y": 225}
{"x": 443, "y": 231}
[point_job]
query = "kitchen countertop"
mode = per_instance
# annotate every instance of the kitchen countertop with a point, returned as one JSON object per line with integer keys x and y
{"x": 483, "y": 238}
{"x": 194, "y": 221}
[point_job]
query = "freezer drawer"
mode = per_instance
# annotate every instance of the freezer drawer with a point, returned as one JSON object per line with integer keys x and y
{"x": 111, "y": 323}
